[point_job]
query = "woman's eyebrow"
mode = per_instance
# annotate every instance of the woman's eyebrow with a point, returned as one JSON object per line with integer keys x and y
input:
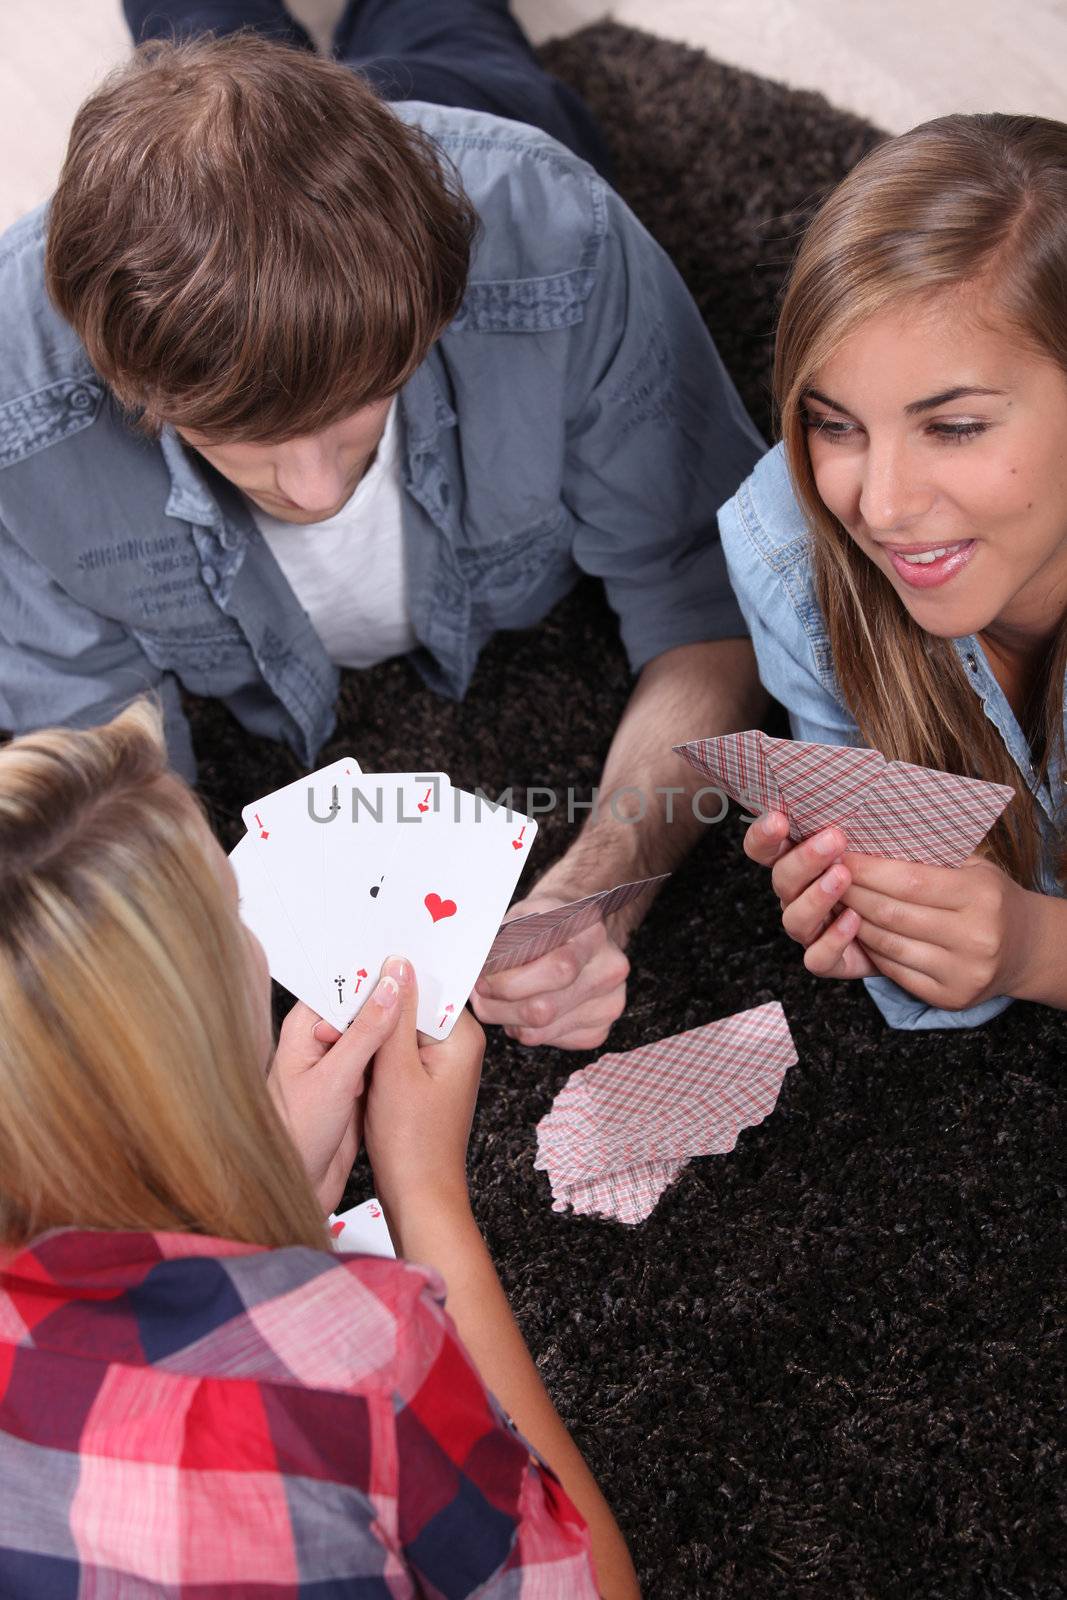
{"x": 944, "y": 397}
{"x": 824, "y": 400}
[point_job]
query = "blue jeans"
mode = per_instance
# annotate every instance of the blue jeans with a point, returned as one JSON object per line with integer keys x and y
{"x": 469, "y": 53}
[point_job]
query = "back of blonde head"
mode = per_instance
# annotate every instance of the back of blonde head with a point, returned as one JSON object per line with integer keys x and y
{"x": 131, "y": 1057}
{"x": 965, "y": 203}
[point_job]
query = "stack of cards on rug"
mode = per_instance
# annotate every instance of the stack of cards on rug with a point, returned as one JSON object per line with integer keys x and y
{"x": 622, "y": 1129}
{"x": 343, "y": 869}
{"x": 885, "y": 808}
{"x": 363, "y": 1231}
{"x": 526, "y": 938}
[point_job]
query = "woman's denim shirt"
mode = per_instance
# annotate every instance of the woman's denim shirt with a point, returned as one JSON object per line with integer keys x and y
{"x": 765, "y": 538}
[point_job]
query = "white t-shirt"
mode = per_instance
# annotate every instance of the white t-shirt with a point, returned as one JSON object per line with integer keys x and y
{"x": 348, "y": 572}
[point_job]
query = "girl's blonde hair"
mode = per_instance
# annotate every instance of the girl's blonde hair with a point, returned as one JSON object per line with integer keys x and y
{"x": 963, "y": 202}
{"x": 132, "y": 1092}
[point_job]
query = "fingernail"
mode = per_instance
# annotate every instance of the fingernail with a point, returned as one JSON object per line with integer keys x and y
{"x": 824, "y": 844}
{"x": 833, "y": 880}
{"x": 323, "y": 1038}
{"x": 385, "y": 992}
{"x": 396, "y": 967}
{"x": 848, "y": 922}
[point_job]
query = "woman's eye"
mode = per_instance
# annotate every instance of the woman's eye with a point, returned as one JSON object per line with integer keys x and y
{"x": 827, "y": 427}
{"x": 957, "y": 432}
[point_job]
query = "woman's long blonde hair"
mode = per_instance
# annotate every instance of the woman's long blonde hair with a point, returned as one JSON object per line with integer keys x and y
{"x": 963, "y": 201}
{"x": 132, "y": 1091}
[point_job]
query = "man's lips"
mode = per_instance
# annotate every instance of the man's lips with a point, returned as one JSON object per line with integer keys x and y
{"x": 927, "y": 566}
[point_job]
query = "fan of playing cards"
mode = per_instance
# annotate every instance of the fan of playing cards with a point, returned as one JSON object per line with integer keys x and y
{"x": 344, "y": 868}
{"x": 885, "y": 808}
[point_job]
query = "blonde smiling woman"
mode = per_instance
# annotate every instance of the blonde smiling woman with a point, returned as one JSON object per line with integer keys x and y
{"x": 195, "y": 1390}
{"x": 901, "y": 556}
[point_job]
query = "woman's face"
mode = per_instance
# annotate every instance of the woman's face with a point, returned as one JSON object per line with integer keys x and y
{"x": 939, "y": 440}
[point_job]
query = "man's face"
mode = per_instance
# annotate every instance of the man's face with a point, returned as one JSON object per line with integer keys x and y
{"x": 303, "y": 480}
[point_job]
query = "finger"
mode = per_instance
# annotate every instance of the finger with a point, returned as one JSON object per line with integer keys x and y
{"x": 835, "y": 954}
{"x": 304, "y": 1036}
{"x": 374, "y": 1025}
{"x": 915, "y": 881}
{"x": 805, "y": 917}
{"x": 602, "y": 981}
{"x": 767, "y": 838}
{"x": 556, "y": 970}
{"x": 801, "y": 865}
{"x": 914, "y": 955}
{"x": 594, "y": 1018}
{"x": 584, "y": 1039}
{"x": 464, "y": 1047}
{"x": 927, "y": 924}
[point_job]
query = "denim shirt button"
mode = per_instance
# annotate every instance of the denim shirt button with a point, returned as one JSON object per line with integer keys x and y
{"x": 80, "y": 398}
{"x": 229, "y": 538}
{"x": 209, "y": 575}
{"x": 971, "y": 661}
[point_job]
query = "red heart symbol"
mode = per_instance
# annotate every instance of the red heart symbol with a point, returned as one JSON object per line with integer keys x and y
{"x": 362, "y": 973}
{"x": 515, "y": 844}
{"x": 439, "y": 908}
{"x": 421, "y": 807}
{"x": 336, "y": 1228}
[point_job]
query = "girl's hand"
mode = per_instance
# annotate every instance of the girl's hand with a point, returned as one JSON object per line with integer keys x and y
{"x": 419, "y": 1110}
{"x": 951, "y": 936}
{"x": 317, "y": 1078}
{"x": 810, "y": 880}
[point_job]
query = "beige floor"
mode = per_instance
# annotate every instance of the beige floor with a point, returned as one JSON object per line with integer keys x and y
{"x": 895, "y": 61}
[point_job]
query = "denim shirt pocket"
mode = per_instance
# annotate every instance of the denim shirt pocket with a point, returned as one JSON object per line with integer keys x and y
{"x": 33, "y": 422}
{"x": 525, "y": 305}
{"x": 503, "y": 576}
{"x": 209, "y": 660}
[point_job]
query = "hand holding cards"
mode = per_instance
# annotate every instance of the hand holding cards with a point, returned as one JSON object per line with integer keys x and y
{"x": 342, "y": 869}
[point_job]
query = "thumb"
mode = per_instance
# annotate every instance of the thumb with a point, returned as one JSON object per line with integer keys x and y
{"x": 401, "y": 1041}
{"x": 378, "y": 1020}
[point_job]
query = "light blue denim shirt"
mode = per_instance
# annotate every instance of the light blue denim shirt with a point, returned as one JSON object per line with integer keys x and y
{"x": 574, "y": 418}
{"x": 767, "y": 550}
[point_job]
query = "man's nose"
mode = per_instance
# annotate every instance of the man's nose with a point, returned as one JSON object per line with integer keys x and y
{"x": 309, "y": 475}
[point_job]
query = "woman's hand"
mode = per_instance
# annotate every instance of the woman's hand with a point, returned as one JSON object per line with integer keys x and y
{"x": 419, "y": 1109}
{"x": 951, "y": 936}
{"x": 810, "y": 880}
{"x": 317, "y": 1080}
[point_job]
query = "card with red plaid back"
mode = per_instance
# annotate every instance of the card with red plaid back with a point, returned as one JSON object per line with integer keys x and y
{"x": 891, "y": 809}
{"x": 619, "y": 1129}
{"x": 526, "y": 938}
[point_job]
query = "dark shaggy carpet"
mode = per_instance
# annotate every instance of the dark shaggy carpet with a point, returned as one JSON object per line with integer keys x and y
{"x": 828, "y": 1364}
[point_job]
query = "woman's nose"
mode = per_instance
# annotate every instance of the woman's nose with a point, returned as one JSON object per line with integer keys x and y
{"x": 892, "y": 492}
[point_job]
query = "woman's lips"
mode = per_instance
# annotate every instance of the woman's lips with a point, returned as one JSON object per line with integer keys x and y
{"x": 930, "y": 566}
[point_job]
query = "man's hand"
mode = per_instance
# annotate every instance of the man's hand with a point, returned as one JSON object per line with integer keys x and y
{"x": 316, "y": 1080}
{"x": 568, "y": 998}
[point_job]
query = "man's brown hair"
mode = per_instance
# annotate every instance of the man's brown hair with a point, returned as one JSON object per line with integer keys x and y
{"x": 249, "y": 243}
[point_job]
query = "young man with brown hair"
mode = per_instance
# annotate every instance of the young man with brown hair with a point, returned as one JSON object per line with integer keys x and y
{"x": 294, "y": 379}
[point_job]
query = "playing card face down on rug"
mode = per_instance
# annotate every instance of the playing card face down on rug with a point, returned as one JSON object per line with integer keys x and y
{"x": 343, "y": 868}
{"x": 885, "y": 808}
{"x": 621, "y": 1129}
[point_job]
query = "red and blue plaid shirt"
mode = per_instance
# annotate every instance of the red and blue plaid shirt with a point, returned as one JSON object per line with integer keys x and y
{"x": 188, "y": 1417}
